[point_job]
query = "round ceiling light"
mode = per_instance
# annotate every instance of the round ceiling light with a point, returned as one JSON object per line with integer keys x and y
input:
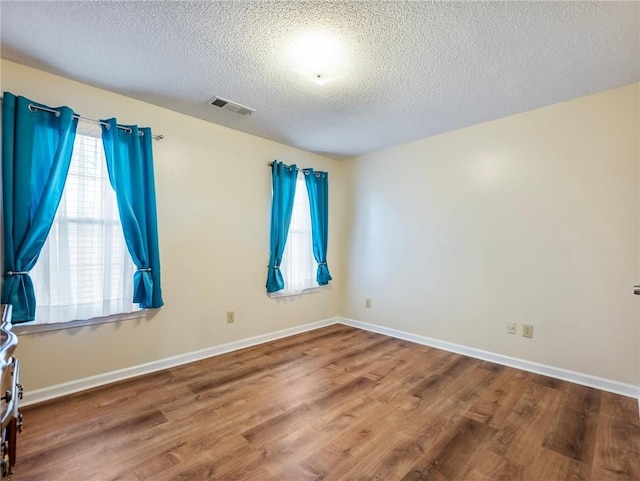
{"x": 317, "y": 56}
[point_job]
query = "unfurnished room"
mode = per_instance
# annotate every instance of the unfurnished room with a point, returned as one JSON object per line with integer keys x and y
{"x": 320, "y": 240}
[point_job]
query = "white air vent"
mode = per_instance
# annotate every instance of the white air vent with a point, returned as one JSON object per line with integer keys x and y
{"x": 225, "y": 104}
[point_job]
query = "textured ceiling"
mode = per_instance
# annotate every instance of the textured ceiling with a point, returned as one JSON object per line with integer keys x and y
{"x": 416, "y": 69}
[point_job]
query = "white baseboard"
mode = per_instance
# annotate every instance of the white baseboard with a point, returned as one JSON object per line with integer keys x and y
{"x": 51, "y": 392}
{"x": 555, "y": 372}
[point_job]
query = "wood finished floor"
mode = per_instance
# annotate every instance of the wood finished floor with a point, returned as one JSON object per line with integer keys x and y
{"x": 334, "y": 404}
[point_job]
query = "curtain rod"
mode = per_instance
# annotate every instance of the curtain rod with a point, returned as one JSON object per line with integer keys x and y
{"x": 305, "y": 170}
{"x": 33, "y": 108}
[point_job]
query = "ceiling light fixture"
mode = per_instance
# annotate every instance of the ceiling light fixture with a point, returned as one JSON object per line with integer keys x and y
{"x": 317, "y": 56}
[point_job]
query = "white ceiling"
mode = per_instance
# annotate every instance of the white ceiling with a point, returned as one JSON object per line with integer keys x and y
{"x": 416, "y": 69}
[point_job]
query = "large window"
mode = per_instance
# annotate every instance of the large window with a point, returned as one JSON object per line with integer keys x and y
{"x": 85, "y": 270}
{"x": 298, "y": 265}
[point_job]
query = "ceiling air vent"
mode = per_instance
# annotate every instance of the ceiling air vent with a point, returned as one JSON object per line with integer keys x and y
{"x": 225, "y": 104}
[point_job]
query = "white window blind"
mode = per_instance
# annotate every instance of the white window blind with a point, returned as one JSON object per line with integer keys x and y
{"x": 84, "y": 270}
{"x": 298, "y": 265}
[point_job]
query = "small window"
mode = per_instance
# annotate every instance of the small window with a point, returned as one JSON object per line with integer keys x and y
{"x": 298, "y": 265}
{"x": 85, "y": 270}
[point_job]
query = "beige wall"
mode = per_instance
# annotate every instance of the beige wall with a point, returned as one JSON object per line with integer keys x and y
{"x": 532, "y": 219}
{"x": 214, "y": 194}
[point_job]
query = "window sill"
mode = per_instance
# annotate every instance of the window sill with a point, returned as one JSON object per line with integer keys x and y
{"x": 34, "y": 328}
{"x": 276, "y": 295}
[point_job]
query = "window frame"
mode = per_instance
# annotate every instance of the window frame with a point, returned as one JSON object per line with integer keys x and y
{"x": 301, "y": 189}
{"x": 32, "y": 327}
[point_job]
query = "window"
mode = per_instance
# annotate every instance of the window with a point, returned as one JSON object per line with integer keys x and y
{"x": 298, "y": 265}
{"x": 85, "y": 270}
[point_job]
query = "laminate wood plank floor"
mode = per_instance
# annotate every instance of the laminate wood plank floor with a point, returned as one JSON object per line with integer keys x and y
{"x": 334, "y": 404}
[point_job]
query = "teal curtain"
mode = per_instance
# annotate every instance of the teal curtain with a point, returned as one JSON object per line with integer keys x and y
{"x": 318, "y": 190}
{"x": 283, "y": 178}
{"x": 36, "y": 153}
{"x": 130, "y": 166}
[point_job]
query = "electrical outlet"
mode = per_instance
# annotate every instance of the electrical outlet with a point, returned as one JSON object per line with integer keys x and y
{"x": 231, "y": 317}
{"x": 511, "y": 327}
{"x": 367, "y": 303}
{"x": 527, "y": 330}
